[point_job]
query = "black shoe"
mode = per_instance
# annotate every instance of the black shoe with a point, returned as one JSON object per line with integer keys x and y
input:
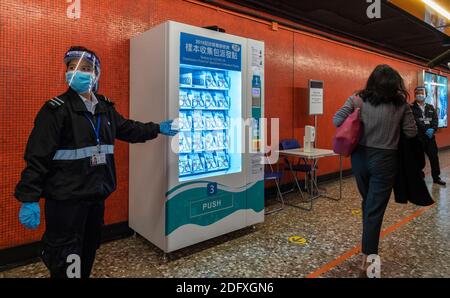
{"x": 440, "y": 182}
{"x": 362, "y": 273}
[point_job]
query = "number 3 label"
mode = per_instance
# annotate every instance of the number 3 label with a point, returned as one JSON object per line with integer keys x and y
{"x": 211, "y": 188}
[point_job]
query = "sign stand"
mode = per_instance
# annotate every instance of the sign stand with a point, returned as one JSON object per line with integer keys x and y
{"x": 315, "y": 89}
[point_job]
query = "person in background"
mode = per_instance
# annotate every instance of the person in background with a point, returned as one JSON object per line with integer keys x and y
{"x": 70, "y": 162}
{"x": 384, "y": 115}
{"x": 427, "y": 123}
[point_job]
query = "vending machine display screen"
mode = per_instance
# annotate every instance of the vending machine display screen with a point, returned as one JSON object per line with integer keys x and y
{"x": 209, "y": 107}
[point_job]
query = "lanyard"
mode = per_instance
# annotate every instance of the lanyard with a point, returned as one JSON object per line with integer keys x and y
{"x": 96, "y": 129}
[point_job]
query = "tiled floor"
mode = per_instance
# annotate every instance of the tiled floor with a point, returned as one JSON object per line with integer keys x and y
{"x": 418, "y": 248}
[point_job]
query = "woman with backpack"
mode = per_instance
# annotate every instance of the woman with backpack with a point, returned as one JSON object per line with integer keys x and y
{"x": 384, "y": 114}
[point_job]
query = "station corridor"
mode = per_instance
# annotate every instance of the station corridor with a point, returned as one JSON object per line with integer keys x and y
{"x": 415, "y": 243}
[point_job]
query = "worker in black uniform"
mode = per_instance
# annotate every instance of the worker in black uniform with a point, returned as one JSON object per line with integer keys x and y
{"x": 70, "y": 162}
{"x": 427, "y": 124}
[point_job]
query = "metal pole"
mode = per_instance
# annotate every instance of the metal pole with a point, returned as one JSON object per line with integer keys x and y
{"x": 315, "y": 131}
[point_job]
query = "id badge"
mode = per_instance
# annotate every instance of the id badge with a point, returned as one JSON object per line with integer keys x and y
{"x": 426, "y": 122}
{"x": 98, "y": 159}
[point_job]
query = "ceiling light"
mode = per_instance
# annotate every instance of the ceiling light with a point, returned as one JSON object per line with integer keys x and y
{"x": 439, "y": 9}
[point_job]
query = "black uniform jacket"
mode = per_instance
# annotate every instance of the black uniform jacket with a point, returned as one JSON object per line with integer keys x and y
{"x": 409, "y": 183}
{"x": 425, "y": 120}
{"x": 62, "y": 142}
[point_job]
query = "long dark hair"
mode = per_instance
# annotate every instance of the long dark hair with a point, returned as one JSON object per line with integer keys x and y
{"x": 385, "y": 85}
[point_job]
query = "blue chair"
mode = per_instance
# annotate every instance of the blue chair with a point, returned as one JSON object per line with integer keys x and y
{"x": 301, "y": 165}
{"x": 275, "y": 176}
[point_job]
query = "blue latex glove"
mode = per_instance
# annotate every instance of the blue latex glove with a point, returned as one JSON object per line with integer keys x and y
{"x": 166, "y": 128}
{"x": 30, "y": 215}
{"x": 429, "y": 133}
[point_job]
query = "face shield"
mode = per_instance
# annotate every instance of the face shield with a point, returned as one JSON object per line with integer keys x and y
{"x": 83, "y": 71}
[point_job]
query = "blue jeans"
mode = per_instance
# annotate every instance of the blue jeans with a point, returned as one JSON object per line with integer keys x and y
{"x": 375, "y": 171}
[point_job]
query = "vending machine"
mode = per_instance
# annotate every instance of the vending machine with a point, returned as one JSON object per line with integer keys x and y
{"x": 209, "y": 179}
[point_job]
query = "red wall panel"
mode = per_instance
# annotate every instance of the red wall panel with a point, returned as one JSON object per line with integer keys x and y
{"x": 36, "y": 34}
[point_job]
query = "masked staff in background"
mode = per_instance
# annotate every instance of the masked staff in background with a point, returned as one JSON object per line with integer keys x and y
{"x": 427, "y": 124}
{"x": 70, "y": 162}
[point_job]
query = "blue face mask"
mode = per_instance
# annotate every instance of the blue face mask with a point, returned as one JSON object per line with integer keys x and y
{"x": 79, "y": 81}
{"x": 420, "y": 97}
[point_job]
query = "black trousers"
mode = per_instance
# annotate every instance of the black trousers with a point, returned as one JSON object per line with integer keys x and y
{"x": 431, "y": 150}
{"x": 73, "y": 227}
{"x": 375, "y": 171}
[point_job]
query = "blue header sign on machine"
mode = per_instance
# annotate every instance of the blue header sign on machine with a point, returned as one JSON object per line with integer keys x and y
{"x": 208, "y": 52}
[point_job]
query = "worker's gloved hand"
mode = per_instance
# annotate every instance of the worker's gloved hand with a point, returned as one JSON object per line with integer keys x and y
{"x": 168, "y": 128}
{"x": 429, "y": 133}
{"x": 30, "y": 215}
